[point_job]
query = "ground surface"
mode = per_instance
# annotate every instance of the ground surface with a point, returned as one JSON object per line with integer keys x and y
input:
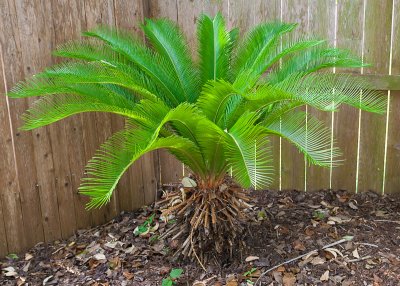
{"x": 286, "y": 225}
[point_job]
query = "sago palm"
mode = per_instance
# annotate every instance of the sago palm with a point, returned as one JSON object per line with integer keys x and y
{"x": 215, "y": 112}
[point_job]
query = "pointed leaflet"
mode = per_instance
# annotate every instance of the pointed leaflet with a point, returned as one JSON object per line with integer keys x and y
{"x": 247, "y": 154}
{"x": 119, "y": 152}
{"x": 313, "y": 139}
{"x": 166, "y": 38}
{"x": 125, "y": 147}
{"x": 61, "y": 77}
{"x": 146, "y": 60}
{"x": 256, "y": 46}
{"x": 215, "y": 46}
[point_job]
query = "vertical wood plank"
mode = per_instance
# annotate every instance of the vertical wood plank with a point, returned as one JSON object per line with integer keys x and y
{"x": 171, "y": 169}
{"x": 65, "y": 30}
{"x": 293, "y": 168}
{"x": 36, "y": 54}
{"x": 99, "y": 13}
{"x": 270, "y": 11}
{"x": 349, "y": 36}
{"x": 62, "y": 175}
{"x": 241, "y": 15}
{"x": 11, "y": 221}
{"x": 392, "y": 182}
{"x": 142, "y": 176}
{"x": 378, "y": 17}
{"x": 32, "y": 218}
{"x": 322, "y": 25}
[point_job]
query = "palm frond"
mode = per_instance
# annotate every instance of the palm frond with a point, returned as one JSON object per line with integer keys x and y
{"x": 89, "y": 50}
{"x": 169, "y": 42}
{"x": 215, "y": 45}
{"x": 320, "y": 90}
{"x": 51, "y": 109}
{"x": 145, "y": 59}
{"x": 251, "y": 163}
{"x": 314, "y": 59}
{"x": 309, "y": 135}
{"x": 256, "y": 46}
{"x": 59, "y": 78}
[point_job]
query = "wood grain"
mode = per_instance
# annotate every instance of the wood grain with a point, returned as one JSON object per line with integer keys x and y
{"x": 349, "y": 36}
{"x": 66, "y": 30}
{"x": 270, "y": 11}
{"x": 23, "y": 141}
{"x": 11, "y": 221}
{"x": 378, "y": 17}
{"x": 321, "y": 24}
{"x": 293, "y": 167}
{"x": 392, "y": 182}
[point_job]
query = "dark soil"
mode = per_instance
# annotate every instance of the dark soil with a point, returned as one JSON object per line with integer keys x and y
{"x": 286, "y": 224}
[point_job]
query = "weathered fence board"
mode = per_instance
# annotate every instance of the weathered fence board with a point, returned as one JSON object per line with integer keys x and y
{"x": 321, "y": 24}
{"x": 31, "y": 221}
{"x": 269, "y": 11}
{"x": 392, "y": 178}
{"x": 40, "y": 170}
{"x": 349, "y": 35}
{"x": 377, "y": 30}
{"x": 292, "y": 162}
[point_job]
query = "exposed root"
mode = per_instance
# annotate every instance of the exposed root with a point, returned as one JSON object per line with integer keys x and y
{"x": 207, "y": 221}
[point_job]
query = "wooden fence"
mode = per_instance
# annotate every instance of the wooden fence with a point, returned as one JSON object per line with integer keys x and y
{"x": 40, "y": 170}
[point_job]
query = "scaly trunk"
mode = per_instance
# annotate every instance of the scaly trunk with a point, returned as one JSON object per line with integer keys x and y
{"x": 208, "y": 220}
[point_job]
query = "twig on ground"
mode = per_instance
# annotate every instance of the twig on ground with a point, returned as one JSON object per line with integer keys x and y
{"x": 194, "y": 251}
{"x": 367, "y": 244}
{"x": 359, "y": 259}
{"x": 386, "y": 220}
{"x": 347, "y": 238}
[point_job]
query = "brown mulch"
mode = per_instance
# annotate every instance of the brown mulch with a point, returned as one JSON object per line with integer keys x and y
{"x": 286, "y": 225}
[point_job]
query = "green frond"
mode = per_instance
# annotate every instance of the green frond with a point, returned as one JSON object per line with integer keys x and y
{"x": 51, "y": 109}
{"x": 215, "y": 114}
{"x": 247, "y": 154}
{"x": 214, "y": 99}
{"x": 215, "y": 46}
{"x": 145, "y": 59}
{"x": 309, "y": 135}
{"x": 61, "y": 77}
{"x": 353, "y": 91}
{"x": 89, "y": 50}
{"x": 289, "y": 48}
{"x": 169, "y": 42}
{"x": 314, "y": 59}
{"x": 322, "y": 91}
{"x": 110, "y": 162}
{"x": 256, "y": 46}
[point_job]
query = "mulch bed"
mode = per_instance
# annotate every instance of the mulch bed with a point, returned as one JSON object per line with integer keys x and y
{"x": 286, "y": 225}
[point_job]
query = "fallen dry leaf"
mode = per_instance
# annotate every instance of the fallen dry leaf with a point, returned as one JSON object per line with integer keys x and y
{"x": 231, "y": 281}
{"x": 318, "y": 261}
{"x": 352, "y": 205}
{"x": 298, "y": 245}
{"x": 289, "y": 279}
{"x": 99, "y": 256}
{"x": 251, "y": 258}
{"x": 278, "y": 276}
{"x": 28, "y": 256}
{"x": 325, "y": 276}
{"x": 128, "y": 275}
{"x": 355, "y": 253}
{"x": 10, "y": 271}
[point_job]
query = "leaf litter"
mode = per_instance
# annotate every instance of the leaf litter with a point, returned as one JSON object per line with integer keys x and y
{"x": 286, "y": 225}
